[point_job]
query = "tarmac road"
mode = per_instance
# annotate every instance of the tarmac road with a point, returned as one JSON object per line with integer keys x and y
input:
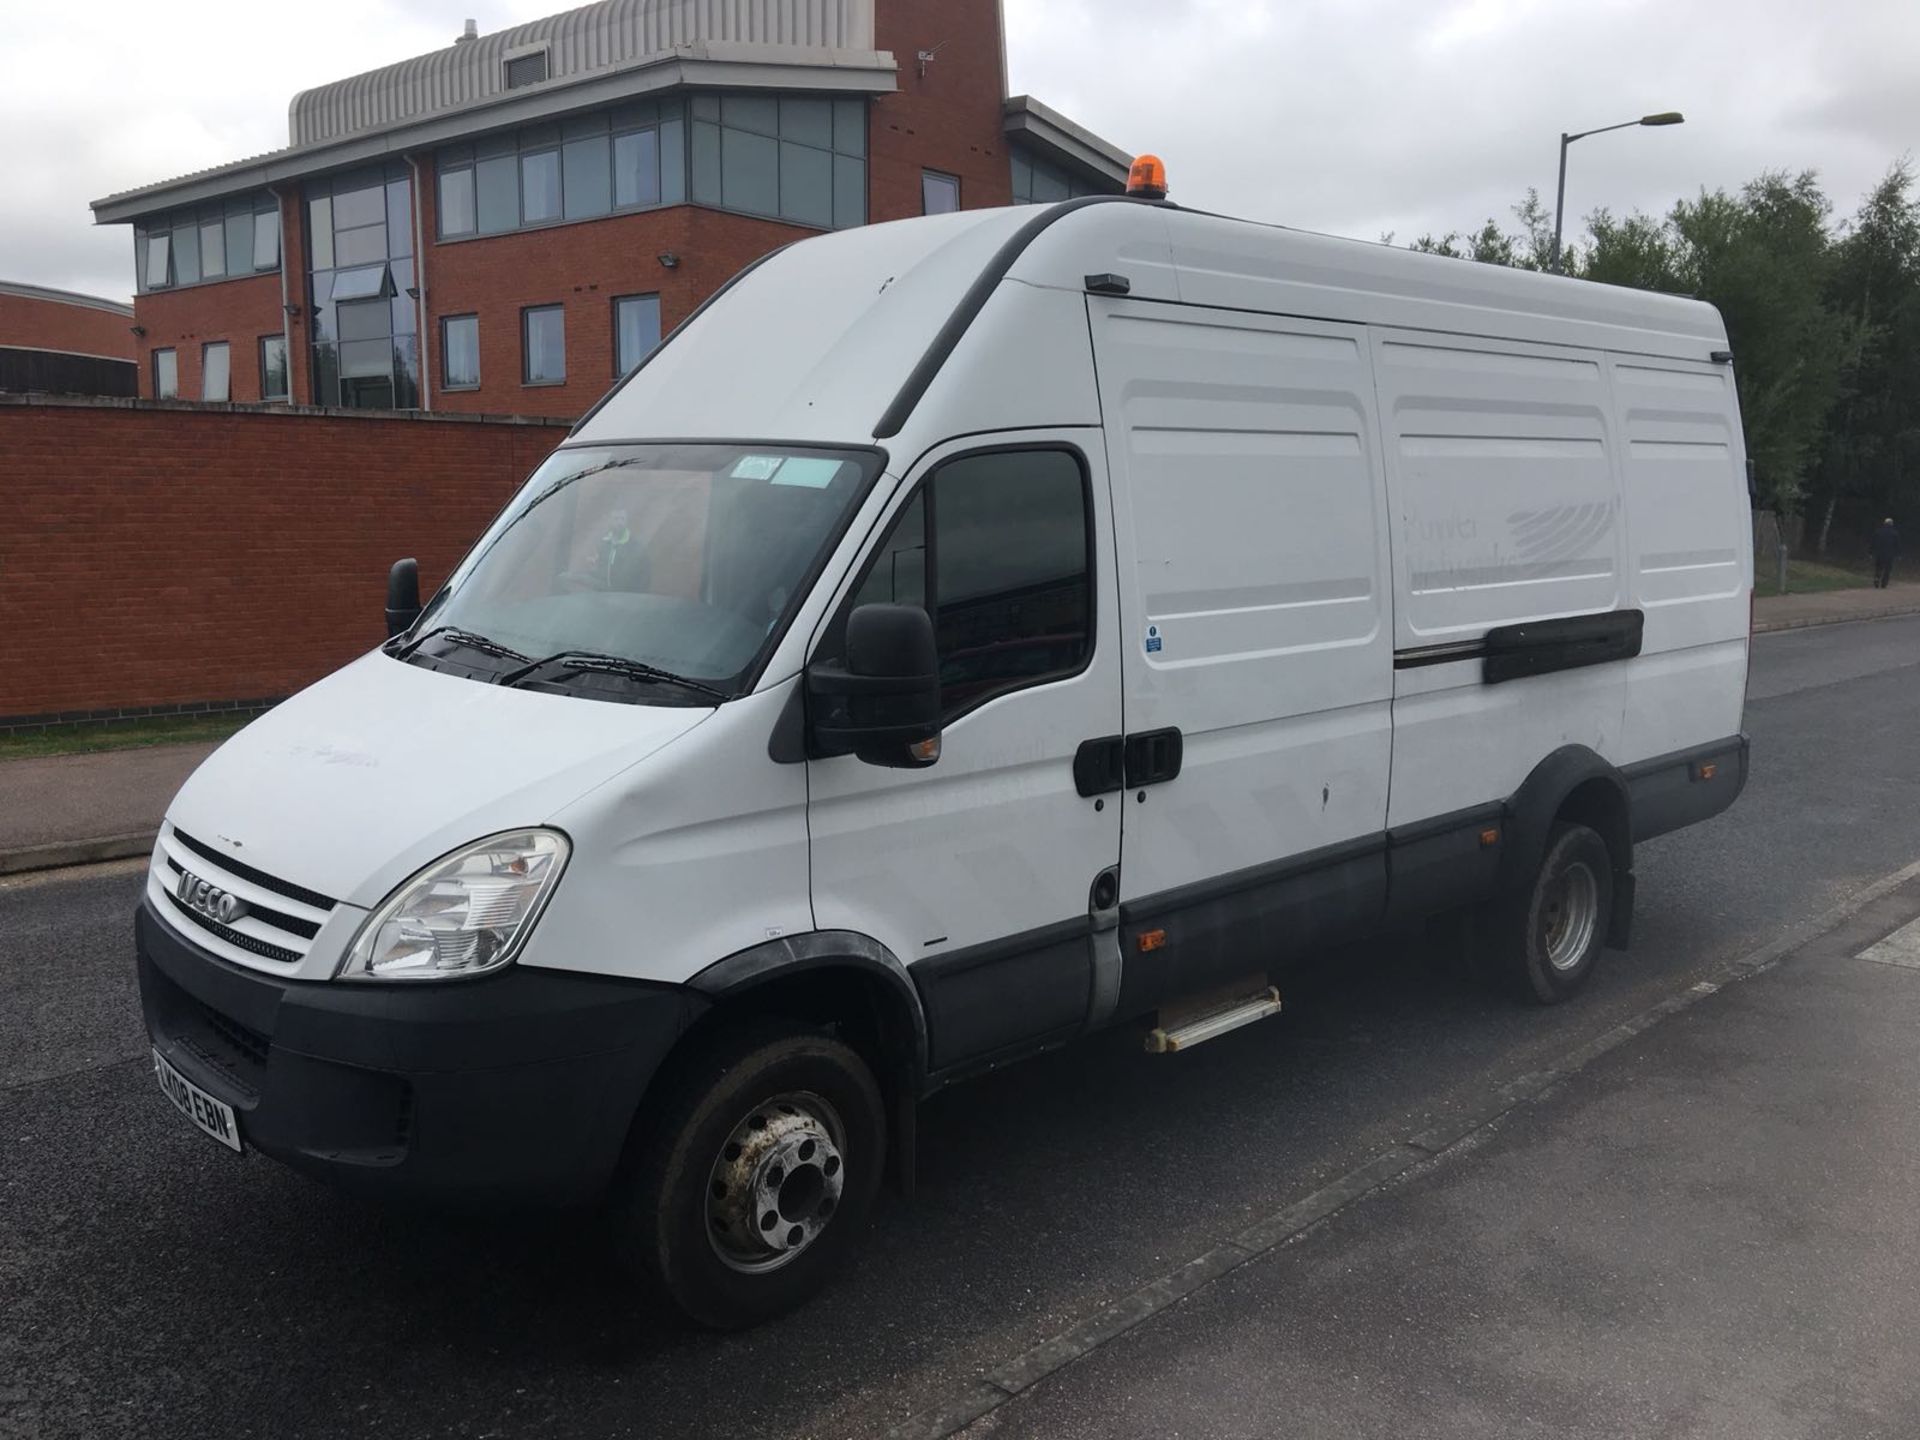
{"x": 153, "y": 1284}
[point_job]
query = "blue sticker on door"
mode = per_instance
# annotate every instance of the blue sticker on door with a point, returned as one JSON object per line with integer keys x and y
{"x": 1153, "y": 639}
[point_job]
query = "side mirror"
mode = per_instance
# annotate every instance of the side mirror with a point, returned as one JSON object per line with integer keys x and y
{"x": 883, "y": 704}
{"x": 403, "y": 596}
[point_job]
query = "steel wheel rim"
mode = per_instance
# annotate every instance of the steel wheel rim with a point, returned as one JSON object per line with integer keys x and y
{"x": 776, "y": 1184}
{"x": 1569, "y": 915}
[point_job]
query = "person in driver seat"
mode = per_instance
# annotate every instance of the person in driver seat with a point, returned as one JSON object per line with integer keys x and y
{"x": 621, "y": 563}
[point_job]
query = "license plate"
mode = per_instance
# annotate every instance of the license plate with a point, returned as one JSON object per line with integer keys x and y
{"x": 215, "y": 1117}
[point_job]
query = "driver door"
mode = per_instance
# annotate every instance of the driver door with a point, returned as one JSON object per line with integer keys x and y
{"x": 979, "y": 872}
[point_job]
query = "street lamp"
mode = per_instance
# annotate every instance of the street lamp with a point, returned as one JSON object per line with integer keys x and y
{"x": 1665, "y": 117}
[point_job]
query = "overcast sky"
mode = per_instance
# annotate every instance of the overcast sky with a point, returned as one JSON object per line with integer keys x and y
{"x": 1355, "y": 117}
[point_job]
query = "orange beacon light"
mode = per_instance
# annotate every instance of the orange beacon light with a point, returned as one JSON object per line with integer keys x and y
{"x": 1148, "y": 178}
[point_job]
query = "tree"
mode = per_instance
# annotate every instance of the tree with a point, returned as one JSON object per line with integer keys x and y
{"x": 1872, "y": 453}
{"x": 1637, "y": 251}
{"x": 1763, "y": 259}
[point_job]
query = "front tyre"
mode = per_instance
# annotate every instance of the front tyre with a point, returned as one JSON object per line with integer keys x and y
{"x": 1550, "y": 935}
{"x": 751, "y": 1177}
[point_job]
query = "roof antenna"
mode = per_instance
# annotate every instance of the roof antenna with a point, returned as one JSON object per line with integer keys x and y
{"x": 471, "y": 33}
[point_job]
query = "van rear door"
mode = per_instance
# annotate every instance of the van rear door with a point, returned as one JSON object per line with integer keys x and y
{"x": 1251, "y": 523}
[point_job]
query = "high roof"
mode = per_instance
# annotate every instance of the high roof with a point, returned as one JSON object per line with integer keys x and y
{"x": 594, "y": 37}
{"x": 814, "y": 341}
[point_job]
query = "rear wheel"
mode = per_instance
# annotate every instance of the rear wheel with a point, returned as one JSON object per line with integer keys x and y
{"x": 1547, "y": 938}
{"x": 751, "y": 1178}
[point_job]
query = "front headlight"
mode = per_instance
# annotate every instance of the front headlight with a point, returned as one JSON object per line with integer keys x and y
{"x": 464, "y": 915}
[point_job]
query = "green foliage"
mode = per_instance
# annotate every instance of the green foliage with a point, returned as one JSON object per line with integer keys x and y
{"x": 1823, "y": 321}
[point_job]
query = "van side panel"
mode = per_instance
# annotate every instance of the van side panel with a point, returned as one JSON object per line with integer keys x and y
{"x": 1690, "y": 542}
{"x": 1250, "y": 523}
{"x": 1501, "y": 466}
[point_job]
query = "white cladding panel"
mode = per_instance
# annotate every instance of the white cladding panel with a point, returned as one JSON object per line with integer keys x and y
{"x": 1506, "y": 501}
{"x": 1253, "y": 556}
{"x": 1690, "y": 536}
{"x": 1502, "y": 467}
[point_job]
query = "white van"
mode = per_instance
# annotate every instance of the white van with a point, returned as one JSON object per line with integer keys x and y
{"x": 964, "y": 634}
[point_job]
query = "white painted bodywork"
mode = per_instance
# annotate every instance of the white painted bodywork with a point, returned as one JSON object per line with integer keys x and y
{"x": 1306, "y": 453}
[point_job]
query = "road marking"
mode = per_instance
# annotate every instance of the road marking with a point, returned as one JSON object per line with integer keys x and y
{"x": 1901, "y": 948}
{"x": 981, "y": 1396}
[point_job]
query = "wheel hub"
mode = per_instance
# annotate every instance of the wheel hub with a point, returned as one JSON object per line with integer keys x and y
{"x": 776, "y": 1183}
{"x": 1569, "y": 916}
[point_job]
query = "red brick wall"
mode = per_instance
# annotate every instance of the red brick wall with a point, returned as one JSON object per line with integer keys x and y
{"x": 236, "y": 311}
{"x": 581, "y": 267}
{"x": 159, "y": 554}
{"x": 948, "y": 119}
{"x": 35, "y": 324}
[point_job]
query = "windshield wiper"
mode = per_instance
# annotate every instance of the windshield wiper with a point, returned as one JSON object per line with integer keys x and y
{"x": 460, "y": 637}
{"x": 593, "y": 660}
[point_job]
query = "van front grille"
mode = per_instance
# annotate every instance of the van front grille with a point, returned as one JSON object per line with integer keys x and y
{"x": 281, "y": 931}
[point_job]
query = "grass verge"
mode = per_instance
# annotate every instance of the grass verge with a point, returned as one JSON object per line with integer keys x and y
{"x": 1808, "y": 577}
{"x": 119, "y": 735}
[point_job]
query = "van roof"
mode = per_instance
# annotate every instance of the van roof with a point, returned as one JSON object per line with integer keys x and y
{"x": 832, "y": 340}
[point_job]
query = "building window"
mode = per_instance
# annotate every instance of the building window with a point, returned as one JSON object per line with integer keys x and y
{"x": 526, "y": 70}
{"x": 366, "y": 342}
{"x": 225, "y": 240}
{"x": 460, "y": 352}
{"x": 939, "y": 194}
{"x": 1035, "y": 182}
{"x": 792, "y": 157}
{"x": 543, "y": 339}
{"x": 166, "y": 375}
{"x": 636, "y": 330}
{"x": 216, "y": 371}
{"x": 213, "y": 248}
{"x": 630, "y": 158}
{"x": 273, "y": 368}
{"x": 1009, "y": 587}
{"x": 158, "y": 273}
{"x": 456, "y": 202}
{"x": 539, "y": 186}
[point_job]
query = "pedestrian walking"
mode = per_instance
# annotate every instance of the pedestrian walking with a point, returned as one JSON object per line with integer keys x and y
{"x": 1885, "y": 548}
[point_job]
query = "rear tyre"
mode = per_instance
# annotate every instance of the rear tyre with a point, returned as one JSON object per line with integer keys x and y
{"x": 1547, "y": 939}
{"x": 750, "y": 1178}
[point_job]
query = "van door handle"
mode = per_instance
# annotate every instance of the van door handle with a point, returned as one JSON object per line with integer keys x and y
{"x": 1099, "y": 766}
{"x": 1153, "y": 757}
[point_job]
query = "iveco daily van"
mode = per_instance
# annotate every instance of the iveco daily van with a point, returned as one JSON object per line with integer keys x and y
{"x": 964, "y": 634}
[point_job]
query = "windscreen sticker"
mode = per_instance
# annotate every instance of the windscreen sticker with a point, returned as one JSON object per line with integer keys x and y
{"x": 808, "y": 471}
{"x": 756, "y": 467}
{"x": 1153, "y": 639}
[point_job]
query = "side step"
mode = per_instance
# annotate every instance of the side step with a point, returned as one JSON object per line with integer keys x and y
{"x": 1199, "y": 1026}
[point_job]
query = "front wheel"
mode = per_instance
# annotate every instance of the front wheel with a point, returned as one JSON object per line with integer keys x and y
{"x": 750, "y": 1179}
{"x": 1548, "y": 937}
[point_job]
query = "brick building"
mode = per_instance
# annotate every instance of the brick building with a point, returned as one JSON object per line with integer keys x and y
{"x": 65, "y": 343}
{"x": 508, "y": 224}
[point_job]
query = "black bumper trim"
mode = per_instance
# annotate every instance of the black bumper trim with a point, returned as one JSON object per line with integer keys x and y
{"x": 515, "y": 1088}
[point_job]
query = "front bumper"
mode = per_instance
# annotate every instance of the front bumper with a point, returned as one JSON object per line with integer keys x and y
{"x": 515, "y": 1088}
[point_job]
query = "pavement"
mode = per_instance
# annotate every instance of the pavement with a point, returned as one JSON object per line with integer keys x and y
{"x": 1833, "y": 607}
{"x": 1680, "y": 1205}
{"x": 62, "y": 810}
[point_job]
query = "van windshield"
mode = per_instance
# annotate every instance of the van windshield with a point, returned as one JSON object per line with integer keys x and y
{"x": 685, "y": 559}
